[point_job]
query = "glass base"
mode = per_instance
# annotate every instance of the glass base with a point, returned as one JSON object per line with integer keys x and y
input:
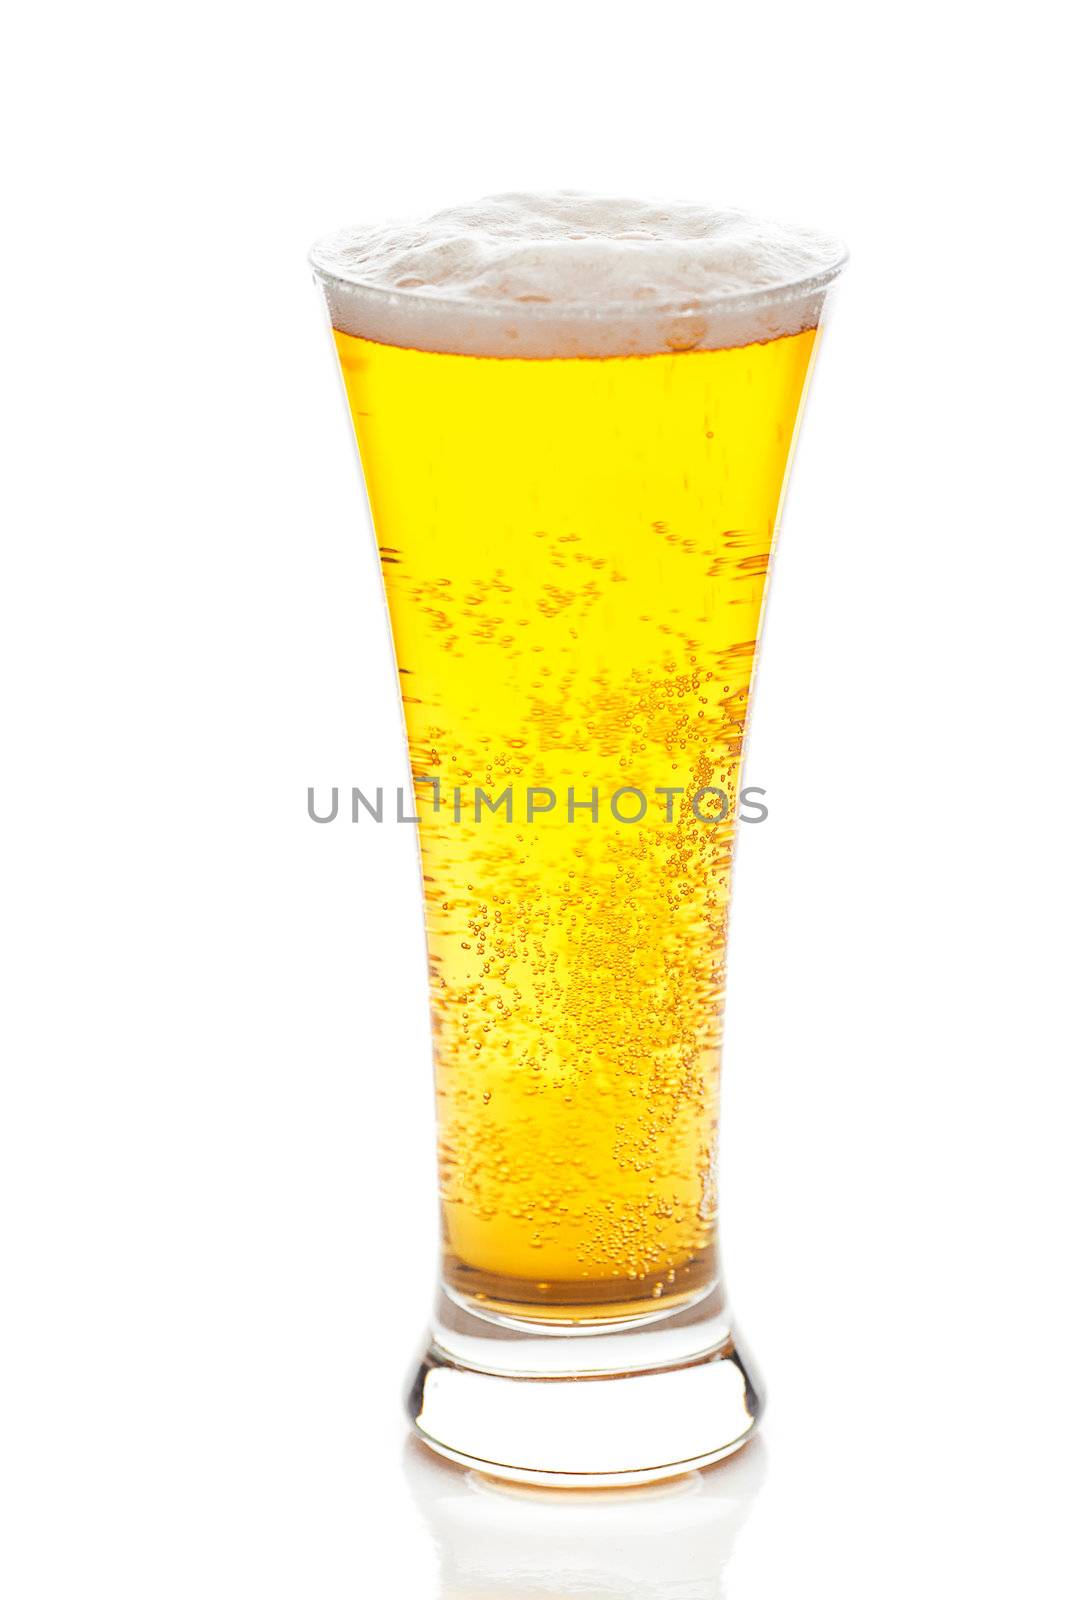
{"x": 606, "y": 1404}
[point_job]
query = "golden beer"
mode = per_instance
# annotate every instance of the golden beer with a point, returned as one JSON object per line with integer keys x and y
{"x": 575, "y": 417}
{"x": 574, "y": 554}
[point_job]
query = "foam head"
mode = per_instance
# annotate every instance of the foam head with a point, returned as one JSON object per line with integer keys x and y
{"x": 544, "y": 275}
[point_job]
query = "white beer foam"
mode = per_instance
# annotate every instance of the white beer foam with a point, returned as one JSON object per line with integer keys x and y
{"x": 543, "y": 275}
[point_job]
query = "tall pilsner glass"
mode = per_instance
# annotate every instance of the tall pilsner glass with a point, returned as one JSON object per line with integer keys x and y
{"x": 575, "y": 417}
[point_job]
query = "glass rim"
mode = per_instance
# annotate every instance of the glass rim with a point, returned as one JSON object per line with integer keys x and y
{"x": 329, "y": 270}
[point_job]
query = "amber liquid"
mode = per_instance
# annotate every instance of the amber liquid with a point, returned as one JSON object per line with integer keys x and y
{"x": 574, "y": 554}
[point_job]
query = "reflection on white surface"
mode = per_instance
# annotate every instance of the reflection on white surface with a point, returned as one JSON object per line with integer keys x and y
{"x": 668, "y": 1541}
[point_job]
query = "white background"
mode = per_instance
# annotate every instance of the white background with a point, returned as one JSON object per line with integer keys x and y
{"x": 216, "y": 1120}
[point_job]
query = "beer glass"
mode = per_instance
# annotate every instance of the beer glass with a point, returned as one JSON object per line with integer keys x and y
{"x": 575, "y": 418}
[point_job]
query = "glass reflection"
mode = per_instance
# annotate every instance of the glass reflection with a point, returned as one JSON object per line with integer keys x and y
{"x": 669, "y": 1541}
